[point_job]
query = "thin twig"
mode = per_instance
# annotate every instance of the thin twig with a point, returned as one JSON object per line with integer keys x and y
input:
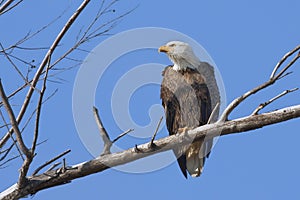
{"x": 284, "y": 75}
{"x": 8, "y": 160}
{"x": 16, "y": 91}
{"x": 38, "y": 109}
{"x": 213, "y": 113}
{"x": 34, "y": 111}
{"x": 155, "y": 132}
{"x": 13, "y": 64}
{"x": 50, "y": 161}
{"x": 14, "y": 141}
{"x": 263, "y": 105}
{"x": 64, "y": 167}
{"x": 29, "y": 36}
{"x": 283, "y": 59}
{"x": 7, "y": 152}
{"x": 122, "y": 134}
{"x": 13, "y": 122}
{"x": 88, "y": 34}
{"x": 53, "y": 166}
{"x": 282, "y": 72}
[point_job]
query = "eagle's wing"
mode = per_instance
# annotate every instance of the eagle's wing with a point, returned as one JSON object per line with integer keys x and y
{"x": 186, "y": 100}
{"x": 172, "y": 112}
{"x": 208, "y": 72}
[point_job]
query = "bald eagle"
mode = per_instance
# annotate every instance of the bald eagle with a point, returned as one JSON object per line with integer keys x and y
{"x": 189, "y": 93}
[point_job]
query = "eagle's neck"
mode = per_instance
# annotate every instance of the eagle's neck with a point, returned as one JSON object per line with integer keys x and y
{"x": 181, "y": 65}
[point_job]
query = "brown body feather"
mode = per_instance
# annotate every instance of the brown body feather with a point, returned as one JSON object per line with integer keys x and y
{"x": 186, "y": 100}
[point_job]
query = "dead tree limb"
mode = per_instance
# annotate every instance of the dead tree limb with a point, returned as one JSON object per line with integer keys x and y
{"x": 262, "y": 105}
{"x": 104, "y": 135}
{"x": 50, "y": 161}
{"x": 275, "y": 76}
{"x": 28, "y": 185}
{"x": 24, "y": 149}
{"x": 14, "y": 122}
{"x": 155, "y": 132}
{"x": 39, "y": 108}
{"x": 222, "y": 127}
{"x": 54, "y": 177}
{"x": 5, "y": 7}
{"x": 43, "y": 64}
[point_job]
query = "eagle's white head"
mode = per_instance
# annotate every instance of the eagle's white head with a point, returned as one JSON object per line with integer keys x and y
{"x": 181, "y": 54}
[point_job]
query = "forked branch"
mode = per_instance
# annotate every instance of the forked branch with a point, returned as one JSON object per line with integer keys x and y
{"x": 105, "y": 137}
{"x": 54, "y": 178}
{"x": 273, "y": 78}
{"x": 263, "y": 105}
{"x": 43, "y": 64}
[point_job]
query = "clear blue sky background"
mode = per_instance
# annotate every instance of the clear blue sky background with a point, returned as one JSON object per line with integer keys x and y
{"x": 244, "y": 38}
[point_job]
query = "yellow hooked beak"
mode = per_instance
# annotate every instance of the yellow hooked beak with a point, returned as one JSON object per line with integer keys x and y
{"x": 164, "y": 49}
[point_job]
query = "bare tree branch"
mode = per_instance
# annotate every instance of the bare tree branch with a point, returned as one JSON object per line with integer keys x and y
{"x": 34, "y": 111}
{"x": 38, "y": 109}
{"x": 14, "y": 157}
{"x": 28, "y": 185}
{"x": 272, "y": 80}
{"x": 12, "y": 63}
{"x": 43, "y": 64}
{"x": 263, "y": 105}
{"x": 282, "y": 72}
{"x": 4, "y": 8}
{"x": 53, "y": 166}
{"x": 122, "y": 135}
{"x": 24, "y": 149}
{"x": 65, "y": 174}
{"x": 155, "y": 132}
{"x": 88, "y": 35}
{"x": 50, "y": 161}
{"x": 103, "y": 133}
{"x": 29, "y": 36}
{"x": 14, "y": 122}
{"x": 5, "y": 5}
{"x": 213, "y": 114}
{"x": 8, "y": 160}
{"x": 14, "y": 141}
{"x": 282, "y": 60}
{"x": 55, "y": 178}
{"x": 6, "y": 152}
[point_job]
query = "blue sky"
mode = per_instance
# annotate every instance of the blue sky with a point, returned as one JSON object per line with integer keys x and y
{"x": 244, "y": 38}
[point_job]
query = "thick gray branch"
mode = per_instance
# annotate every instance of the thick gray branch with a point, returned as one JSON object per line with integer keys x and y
{"x": 57, "y": 177}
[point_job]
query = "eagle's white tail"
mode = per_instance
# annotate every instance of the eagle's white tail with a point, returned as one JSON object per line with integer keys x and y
{"x": 195, "y": 159}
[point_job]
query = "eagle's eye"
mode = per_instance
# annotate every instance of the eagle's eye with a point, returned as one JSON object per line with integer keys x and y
{"x": 172, "y": 45}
